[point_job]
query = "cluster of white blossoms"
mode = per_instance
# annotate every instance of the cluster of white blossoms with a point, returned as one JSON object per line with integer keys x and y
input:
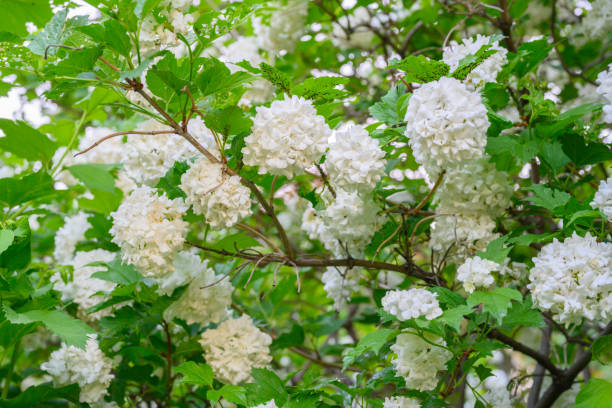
{"x": 234, "y": 348}
{"x": 497, "y": 394}
{"x": 419, "y": 361}
{"x": 150, "y": 230}
{"x": 354, "y": 160}
{"x": 596, "y": 24}
{"x": 83, "y": 286}
{"x": 477, "y": 272}
{"x": 269, "y": 404}
{"x": 287, "y": 138}
{"x": 604, "y": 80}
{"x": 446, "y": 124}
{"x": 147, "y": 158}
{"x": 186, "y": 267}
{"x": 221, "y": 198}
{"x": 340, "y": 284}
{"x": 487, "y": 70}
{"x": 69, "y": 235}
{"x": 461, "y": 235}
{"x": 603, "y": 198}
{"x": 155, "y": 36}
{"x": 401, "y": 402}
{"x": 573, "y": 279}
{"x": 88, "y": 368}
{"x": 284, "y": 28}
{"x": 412, "y": 303}
{"x": 475, "y": 188}
{"x": 207, "y": 297}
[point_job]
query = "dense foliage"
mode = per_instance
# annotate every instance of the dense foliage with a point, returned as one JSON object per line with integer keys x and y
{"x": 306, "y": 203}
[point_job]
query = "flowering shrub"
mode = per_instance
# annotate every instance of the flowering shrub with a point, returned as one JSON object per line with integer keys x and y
{"x": 309, "y": 204}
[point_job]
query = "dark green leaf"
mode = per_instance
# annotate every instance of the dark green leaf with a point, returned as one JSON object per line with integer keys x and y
{"x": 171, "y": 181}
{"x": 116, "y": 37}
{"x": 420, "y": 69}
{"x": 25, "y": 141}
{"x": 18, "y": 254}
{"x": 602, "y": 349}
{"x": 295, "y": 337}
{"x": 228, "y": 121}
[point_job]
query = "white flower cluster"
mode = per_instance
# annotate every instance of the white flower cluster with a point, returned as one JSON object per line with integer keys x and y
{"x": 269, "y": 404}
{"x": 446, "y": 124}
{"x": 207, "y": 297}
{"x": 187, "y": 267}
{"x": 573, "y": 279}
{"x": 221, "y": 198}
{"x": 88, "y": 368}
{"x": 487, "y": 70}
{"x": 603, "y": 198}
{"x": 476, "y": 272}
{"x": 340, "y": 285}
{"x": 354, "y": 160}
{"x": 604, "y": 80}
{"x": 149, "y": 230}
{"x": 351, "y": 31}
{"x": 234, "y": 348}
{"x": 597, "y": 22}
{"x": 155, "y": 36}
{"x": 69, "y": 235}
{"x": 412, "y": 303}
{"x": 147, "y": 158}
{"x": 83, "y": 286}
{"x": 461, "y": 235}
{"x": 419, "y": 361}
{"x": 474, "y": 187}
{"x": 284, "y": 28}
{"x": 401, "y": 402}
{"x": 287, "y": 138}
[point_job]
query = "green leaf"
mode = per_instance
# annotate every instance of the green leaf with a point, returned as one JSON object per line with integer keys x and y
{"x": 78, "y": 62}
{"x": 602, "y": 349}
{"x": 371, "y": 341}
{"x": 171, "y": 181}
{"x": 103, "y": 202}
{"x": 496, "y": 302}
{"x": 321, "y": 89}
{"x": 38, "y": 395}
{"x": 554, "y": 156}
{"x": 447, "y": 297}
{"x": 95, "y": 176}
{"x": 389, "y": 109}
{"x": 564, "y": 120}
{"x": 16, "y": 13}
{"x": 215, "y": 77}
{"x": 53, "y": 34}
{"x": 118, "y": 272}
{"x": 116, "y": 37}
{"x": 420, "y": 69}
{"x": 523, "y": 314}
{"x": 530, "y": 54}
{"x": 583, "y": 153}
{"x": 73, "y": 332}
{"x": 495, "y": 251}
{"x": 18, "y": 254}
{"x": 144, "y": 7}
{"x": 195, "y": 373}
{"x": 453, "y": 317}
{"x": 25, "y": 141}
{"x": 468, "y": 63}
{"x": 295, "y": 337}
{"x": 596, "y": 393}
{"x": 279, "y": 79}
{"x": 6, "y": 239}
{"x": 14, "y": 191}
{"x": 235, "y": 242}
{"x": 228, "y": 121}
{"x": 234, "y": 394}
{"x": 265, "y": 387}
{"x": 518, "y": 8}
{"x": 547, "y": 197}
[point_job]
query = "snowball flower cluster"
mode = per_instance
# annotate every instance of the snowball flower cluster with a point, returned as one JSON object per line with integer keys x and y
{"x": 603, "y": 198}
{"x": 476, "y": 272}
{"x": 354, "y": 160}
{"x": 597, "y": 22}
{"x": 487, "y": 70}
{"x": 207, "y": 297}
{"x": 234, "y": 348}
{"x": 573, "y": 279}
{"x": 340, "y": 285}
{"x": 83, "y": 286}
{"x": 401, "y": 402}
{"x": 412, "y": 303}
{"x": 474, "y": 187}
{"x": 69, "y": 235}
{"x": 221, "y": 198}
{"x": 446, "y": 124}
{"x": 461, "y": 235}
{"x": 418, "y": 361}
{"x": 284, "y": 28}
{"x": 149, "y": 230}
{"x": 604, "y": 80}
{"x": 187, "y": 267}
{"x": 88, "y": 368}
{"x": 286, "y": 138}
{"x": 156, "y": 36}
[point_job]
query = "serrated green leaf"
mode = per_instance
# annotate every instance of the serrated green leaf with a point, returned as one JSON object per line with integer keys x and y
{"x": 454, "y": 316}
{"x": 195, "y": 373}
{"x": 496, "y": 302}
{"x": 547, "y": 197}
{"x": 295, "y": 337}
{"x": 321, "y": 89}
{"x": 16, "y": 13}
{"x": 228, "y": 121}
{"x": 266, "y": 386}
{"x": 279, "y": 79}
{"x": 117, "y": 272}
{"x": 52, "y": 34}
{"x": 420, "y": 69}
{"x": 496, "y": 251}
{"x": 371, "y": 341}
{"x": 171, "y": 181}
{"x": 116, "y": 37}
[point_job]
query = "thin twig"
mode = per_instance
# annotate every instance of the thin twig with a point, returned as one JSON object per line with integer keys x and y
{"x": 127, "y": 132}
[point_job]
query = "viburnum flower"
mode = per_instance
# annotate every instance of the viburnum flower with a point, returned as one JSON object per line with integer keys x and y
{"x": 221, "y": 198}
{"x": 150, "y": 230}
{"x": 461, "y": 235}
{"x": 401, "y": 402}
{"x": 207, "y": 297}
{"x": 476, "y": 272}
{"x": 573, "y": 279}
{"x": 354, "y": 160}
{"x": 604, "y": 80}
{"x": 412, "y": 303}
{"x": 69, "y": 235}
{"x": 234, "y": 348}
{"x": 596, "y": 23}
{"x": 340, "y": 283}
{"x": 474, "y": 187}
{"x": 487, "y": 70}
{"x": 287, "y": 138}
{"x": 418, "y": 361}
{"x": 446, "y": 124}
{"x": 88, "y": 368}
{"x": 284, "y": 26}
{"x": 156, "y": 36}
{"x": 603, "y": 198}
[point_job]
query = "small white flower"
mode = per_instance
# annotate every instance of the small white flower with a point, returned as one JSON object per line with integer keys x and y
{"x": 476, "y": 272}
{"x": 603, "y": 198}
{"x": 412, "y": 303}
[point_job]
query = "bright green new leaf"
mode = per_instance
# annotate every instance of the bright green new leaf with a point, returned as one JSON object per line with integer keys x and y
{"x": 95, "y": 176}
{"x": 496, "y": 302}
{"x": 548, "y": 198}
{"x": 596, "y": 393}
{"x": 195, "y": 373}
{"x": 24, "y": 141}
{"x": 6, "y": 239}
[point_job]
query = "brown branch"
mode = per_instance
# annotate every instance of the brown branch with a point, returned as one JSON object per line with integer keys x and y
{"x": 326, "y": 180}
{"x": 127, "y": 132}
{"x": 428, "y": 196}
